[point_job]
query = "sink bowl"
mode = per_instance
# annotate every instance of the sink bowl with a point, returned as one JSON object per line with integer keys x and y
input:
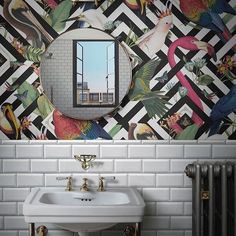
{"x": 83, "y": 211}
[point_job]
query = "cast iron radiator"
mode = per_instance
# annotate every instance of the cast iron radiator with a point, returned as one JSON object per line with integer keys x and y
{"x": 213, "y": 198}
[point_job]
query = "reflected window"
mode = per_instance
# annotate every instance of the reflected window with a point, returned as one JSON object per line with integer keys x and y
{"x": 95, "y": 70}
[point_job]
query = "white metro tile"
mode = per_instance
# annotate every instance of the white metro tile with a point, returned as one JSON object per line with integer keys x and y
{"x": 156, "y": 222}
{"x": 7, "y": 151}
{"x": 150, "y": 209}
{"x": 15, "y": 222}
{"x": 8, "y": 180}
{"x": 188, "y": 233}
{"x": 141, "y": 180}
{"x": 224, "y": 151}
{"x": 187, "y": 181}
{"x": 170, "y": 180}
{"x": 197, "y": 151}
{"x": 156, "y": 194}
{"x": 148, "y": 233}
{"x": 15, "y": 194}
{"x": 181, "y": 194}
{"x": 170, "y": 233}
{"x": 68, "y": 165}
{"x": 20, "y": 208}
{"x": 51, "y": 180}
{"x": 141, "y": 151}
{"x": 57, "y": 151}
{"x": 113, "y": 151}
{"x": 1, "y": 222}
{"x": 8, "y": 208}
{"x": 170, "y": 208}
{"x": 85, "y": 149}
{"x": 1, "y": 196}
{"x": 26, "y": 180}
{"x": 128, "y": 165}
{"x": 43, "y": 165}
{"x": 188, "y": 208}
{"x": 170, "y": 151}
{"x": 29, "y": 151}
{"x": 8, "y": 232}
{"x": 181, "y": 222}
{"x": 102, "y": 166}
{"x": 177, "y": 165}
{"x": 155, "y": 166}
{"x": 119, "y": 181}
{"x": 110, "y": 232}
{"x": 13, "y": 165}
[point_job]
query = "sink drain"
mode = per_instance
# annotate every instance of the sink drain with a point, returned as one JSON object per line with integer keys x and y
{"x": 86, "y": 199}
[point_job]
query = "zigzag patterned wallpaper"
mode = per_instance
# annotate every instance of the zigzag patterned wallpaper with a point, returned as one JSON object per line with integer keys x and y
{"x": 183, "y": 57}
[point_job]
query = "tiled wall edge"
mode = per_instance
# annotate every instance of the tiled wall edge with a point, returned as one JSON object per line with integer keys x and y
{"x": 181, "y": 142}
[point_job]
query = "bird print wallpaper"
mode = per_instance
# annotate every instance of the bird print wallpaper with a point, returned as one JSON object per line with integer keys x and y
{"x": 183, "y": 68}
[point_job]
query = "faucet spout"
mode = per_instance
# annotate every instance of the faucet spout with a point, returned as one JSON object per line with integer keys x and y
{"x": 84, "y": 187}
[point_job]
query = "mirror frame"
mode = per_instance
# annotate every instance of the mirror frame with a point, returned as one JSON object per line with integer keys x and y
{"x": 115, "y": 108}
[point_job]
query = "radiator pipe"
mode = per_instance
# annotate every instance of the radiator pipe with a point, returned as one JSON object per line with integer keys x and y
{"x": 234, "y": 170}
{"x": 224, "y": 199}
{"x": 196, "y": 192}
{"x": 211, "y": 200}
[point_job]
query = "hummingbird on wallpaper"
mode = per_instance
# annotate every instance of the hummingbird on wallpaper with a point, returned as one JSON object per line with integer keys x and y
{"x": 209, "y": 96}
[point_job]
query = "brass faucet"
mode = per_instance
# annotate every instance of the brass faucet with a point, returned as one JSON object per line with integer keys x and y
{"x": 69, "y": 182}
{"x": 101, "y": 185}
{"x": 84, "y": 187}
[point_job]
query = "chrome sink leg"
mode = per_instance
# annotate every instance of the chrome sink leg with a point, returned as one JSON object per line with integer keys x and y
{"x": 31, "y": 229}
{"x": 138, "y": 229}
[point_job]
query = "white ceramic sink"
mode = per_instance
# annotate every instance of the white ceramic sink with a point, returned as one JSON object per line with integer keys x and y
{"x": 83, "y": 211}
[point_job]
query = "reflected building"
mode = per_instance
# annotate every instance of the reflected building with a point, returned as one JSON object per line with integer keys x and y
{"x": 87, "y": 97}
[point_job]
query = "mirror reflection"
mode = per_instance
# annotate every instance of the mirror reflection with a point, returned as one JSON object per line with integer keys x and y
{"x": 85, "y": 73}
{"x": 95, "y": 79}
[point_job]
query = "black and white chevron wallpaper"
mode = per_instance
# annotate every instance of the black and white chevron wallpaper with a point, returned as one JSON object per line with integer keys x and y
{"x": 183, "y": 58}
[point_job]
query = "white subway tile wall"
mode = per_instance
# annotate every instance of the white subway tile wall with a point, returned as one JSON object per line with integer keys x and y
{"x": 155, "y": 168}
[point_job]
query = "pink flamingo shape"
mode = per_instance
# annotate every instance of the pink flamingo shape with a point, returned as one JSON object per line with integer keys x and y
{"x": 193, "y": 44}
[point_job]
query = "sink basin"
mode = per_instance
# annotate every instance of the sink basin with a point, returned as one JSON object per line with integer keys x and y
{"x": 83, "y": 211}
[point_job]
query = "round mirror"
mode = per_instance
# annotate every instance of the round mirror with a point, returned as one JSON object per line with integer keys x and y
{"x": 85, "y": 73}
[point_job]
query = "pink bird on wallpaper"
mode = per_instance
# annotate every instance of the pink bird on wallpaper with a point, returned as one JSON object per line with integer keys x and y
{"x": 152, "y": 41}
{"x": 192, "y": 44}
{"x": 68, "y": 128}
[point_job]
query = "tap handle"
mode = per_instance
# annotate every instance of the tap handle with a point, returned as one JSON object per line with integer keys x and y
{"x": 107, "y": 178}
{"x": 63, "y": 178}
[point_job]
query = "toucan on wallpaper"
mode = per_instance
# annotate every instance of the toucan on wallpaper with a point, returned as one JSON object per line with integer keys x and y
{"x": 183, "y": 68}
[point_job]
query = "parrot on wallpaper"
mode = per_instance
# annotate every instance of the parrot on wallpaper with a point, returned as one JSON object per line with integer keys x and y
{"x": 68, "y": 128}
{"x": 206, "y": 14}
{"x": 221, "y": 109}
{"x": 152, "y": 41}
{"x": 140, "y": 90}
{"x": 141, "y": 131}
{"x": 9, "y": 123}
